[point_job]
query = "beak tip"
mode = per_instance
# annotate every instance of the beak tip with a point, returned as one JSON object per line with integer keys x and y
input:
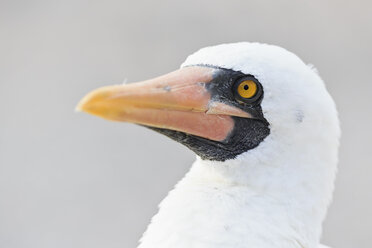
{"x": 86, "y": 103}
{"x": 80, "y": 107}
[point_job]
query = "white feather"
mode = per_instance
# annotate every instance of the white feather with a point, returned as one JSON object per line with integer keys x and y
{"x": 275, "y": 195}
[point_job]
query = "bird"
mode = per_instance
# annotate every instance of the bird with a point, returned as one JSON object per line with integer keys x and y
{"x": 265, "y": 132}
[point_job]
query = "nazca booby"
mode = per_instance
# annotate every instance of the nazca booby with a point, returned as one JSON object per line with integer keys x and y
{"x": 266, "y": 135}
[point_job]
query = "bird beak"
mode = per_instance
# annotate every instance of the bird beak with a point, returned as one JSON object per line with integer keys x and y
{"x": 177, "y": 101}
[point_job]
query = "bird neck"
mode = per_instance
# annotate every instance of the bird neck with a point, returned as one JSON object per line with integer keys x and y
{"x": 286, "y": 193}
{"x": 258, "y": 200}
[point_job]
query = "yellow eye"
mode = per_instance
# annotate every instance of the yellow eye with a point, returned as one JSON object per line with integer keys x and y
{"x": 247, "y": 89}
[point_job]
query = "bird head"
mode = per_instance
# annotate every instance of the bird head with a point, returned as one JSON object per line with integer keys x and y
{"x": 256, "y": 116}
{"x": 228, "y": 101}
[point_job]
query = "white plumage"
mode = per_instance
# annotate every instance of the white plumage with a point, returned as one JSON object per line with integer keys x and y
{"x": 275, "y": 195}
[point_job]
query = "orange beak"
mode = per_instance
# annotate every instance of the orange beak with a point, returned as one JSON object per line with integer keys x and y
{"x": 177, "y": 101}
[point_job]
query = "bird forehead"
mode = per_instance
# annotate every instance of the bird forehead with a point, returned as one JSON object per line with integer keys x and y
{"x": 250, "y": 58}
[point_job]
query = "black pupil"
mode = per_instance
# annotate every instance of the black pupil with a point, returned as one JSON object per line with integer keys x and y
{"x": 246, "y": 87}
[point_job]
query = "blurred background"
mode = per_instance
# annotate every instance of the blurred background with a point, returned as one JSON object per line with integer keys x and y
{"x": 73, "y": 180}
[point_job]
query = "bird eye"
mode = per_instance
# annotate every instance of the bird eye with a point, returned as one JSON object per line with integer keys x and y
{"x": 247, "y": 90}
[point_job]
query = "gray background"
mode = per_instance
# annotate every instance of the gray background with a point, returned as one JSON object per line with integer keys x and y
{"x": 72, "y": 180}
